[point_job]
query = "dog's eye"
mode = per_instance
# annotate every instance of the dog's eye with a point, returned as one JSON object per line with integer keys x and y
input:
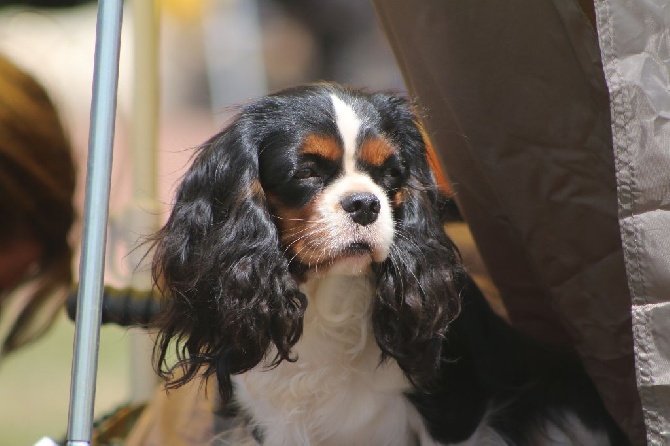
{"x": 391, "y": 176}
{"x": 305, "y": 172}
{"x": 392, "y": 172}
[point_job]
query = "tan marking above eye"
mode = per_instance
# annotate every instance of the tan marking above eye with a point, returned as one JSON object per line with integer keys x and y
{"x": 322, "y": 146}
{"x": 375, "y": 151}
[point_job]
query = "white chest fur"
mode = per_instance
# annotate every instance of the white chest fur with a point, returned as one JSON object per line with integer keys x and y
{"x": 337, "y": 392}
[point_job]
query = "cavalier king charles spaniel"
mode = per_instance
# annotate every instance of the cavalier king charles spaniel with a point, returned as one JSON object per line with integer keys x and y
{"x": 305, "y": 265}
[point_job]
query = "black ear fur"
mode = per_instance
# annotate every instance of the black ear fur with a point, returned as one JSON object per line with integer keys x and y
{"x": 230, "y": 297}
{"x": 419, "y": 284}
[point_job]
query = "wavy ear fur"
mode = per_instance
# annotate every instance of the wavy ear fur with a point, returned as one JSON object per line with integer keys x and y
{"x": 229, "y": 296}
{"x": 418, "y": 285}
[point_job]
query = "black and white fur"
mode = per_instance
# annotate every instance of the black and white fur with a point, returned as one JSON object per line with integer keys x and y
{"x": 306, "y": 266}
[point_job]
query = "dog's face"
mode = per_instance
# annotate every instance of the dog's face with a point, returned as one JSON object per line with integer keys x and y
{"x": 314, "y": 178}
{"x": 335, "y": 187}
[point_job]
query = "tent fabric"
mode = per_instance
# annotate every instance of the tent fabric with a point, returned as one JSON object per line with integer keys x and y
{"x": 517, "y": 105}
{"x": 635, "y": 44}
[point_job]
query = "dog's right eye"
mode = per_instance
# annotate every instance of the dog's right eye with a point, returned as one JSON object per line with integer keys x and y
{"x": 312, "y": 169}
{"x": 305, "y": 172}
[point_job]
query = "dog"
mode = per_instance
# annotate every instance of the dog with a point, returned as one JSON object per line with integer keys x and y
{"x": 305, "y": 265}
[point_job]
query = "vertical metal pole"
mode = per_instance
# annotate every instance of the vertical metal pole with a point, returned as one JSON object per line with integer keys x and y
{"x": 96, "y": 209}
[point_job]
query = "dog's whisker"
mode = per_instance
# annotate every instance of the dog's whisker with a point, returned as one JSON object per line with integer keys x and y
{"x": 303, "y": 220}
{"x": 301, "y": 238}
{"x": 298, "y": 230}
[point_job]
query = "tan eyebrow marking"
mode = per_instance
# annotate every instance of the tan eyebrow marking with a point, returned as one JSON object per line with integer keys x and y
{"x": 322, "y": 146}
{"x": 375, "y": 151}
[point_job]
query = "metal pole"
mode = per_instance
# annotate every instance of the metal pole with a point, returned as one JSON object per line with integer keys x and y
{"x": 96, "y": 209}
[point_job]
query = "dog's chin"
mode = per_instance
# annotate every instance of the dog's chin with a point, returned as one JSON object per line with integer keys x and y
{"x": 356, "y": 259}
{"x": 355, "y": 265}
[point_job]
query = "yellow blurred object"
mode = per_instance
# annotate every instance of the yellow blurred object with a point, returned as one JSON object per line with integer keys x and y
{"x": 189, "y": 11}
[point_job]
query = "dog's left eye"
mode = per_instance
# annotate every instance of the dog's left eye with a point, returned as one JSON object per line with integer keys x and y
{"x": 391, "y": 175}
{"x": 393, "y": 172}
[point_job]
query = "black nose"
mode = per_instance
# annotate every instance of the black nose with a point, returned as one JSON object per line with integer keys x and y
{"x": 362, "y": 206}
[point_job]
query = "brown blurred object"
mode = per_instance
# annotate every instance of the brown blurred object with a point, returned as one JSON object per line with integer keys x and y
{"x": 37, "y": 181}
{"x": 187, "y": 416}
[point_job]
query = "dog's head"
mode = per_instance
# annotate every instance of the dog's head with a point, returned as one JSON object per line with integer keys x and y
{"x": 316, "y": 179}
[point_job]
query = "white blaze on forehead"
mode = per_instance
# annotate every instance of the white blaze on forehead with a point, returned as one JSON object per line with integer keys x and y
{"x": 348, "y": 124}
{"x": 341, "y": 230}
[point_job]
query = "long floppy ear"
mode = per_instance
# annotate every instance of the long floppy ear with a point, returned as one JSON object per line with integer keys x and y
{"x": 419, "y": 283}
{"x": 230, "y": 299}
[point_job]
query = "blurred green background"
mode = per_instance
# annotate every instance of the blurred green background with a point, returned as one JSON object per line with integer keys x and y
{"x": 35, "y": 383}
